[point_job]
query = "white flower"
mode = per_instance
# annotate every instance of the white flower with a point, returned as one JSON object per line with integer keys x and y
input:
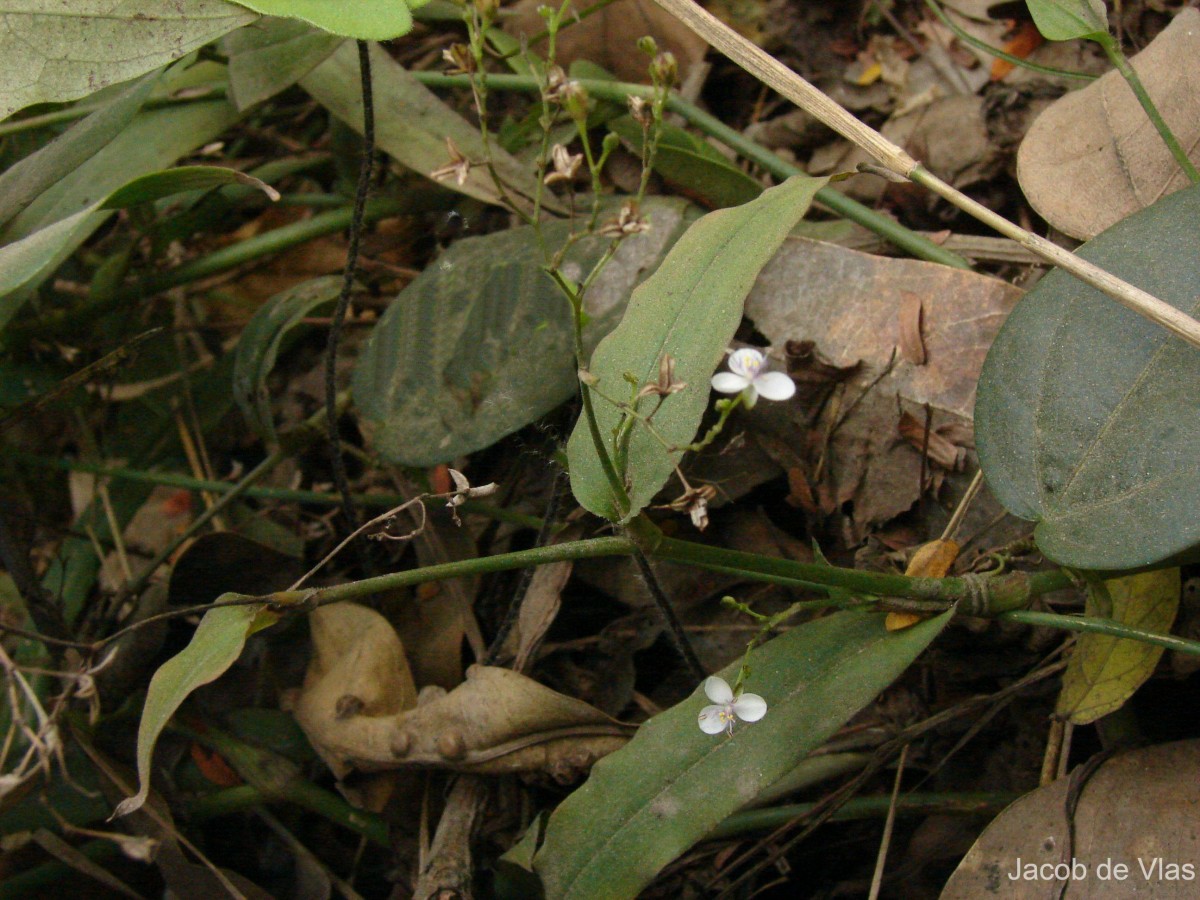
{"x": 726, "y": 708}
{"x": 745, "y": 375}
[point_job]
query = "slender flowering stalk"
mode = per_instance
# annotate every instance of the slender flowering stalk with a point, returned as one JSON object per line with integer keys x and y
{"x": 746, "y": 377}
{"x": 727, "y": 707}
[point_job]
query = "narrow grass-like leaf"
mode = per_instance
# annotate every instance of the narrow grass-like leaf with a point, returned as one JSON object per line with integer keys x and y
{"x": 23, "y": 261}
{"x": 688, "y": 309}
{"x": 25, "y": 180}
{"x": 413, "y": 125}
{"x": 272, "y": 55}
{"x": 215, "y": 646}
{"x": 672, "y": 784}
{"x": 259, "y": 344}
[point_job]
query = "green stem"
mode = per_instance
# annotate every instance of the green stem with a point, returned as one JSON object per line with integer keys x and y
{"x": 281, "y": 495}
{"x": 1090, "y": 625}
{"x": 1119, "y": 60}
{"x": 1005, "y": 591}
{"x": 501, "y": 562}
{"x": 915, "y": 804}
{"x": 618, "y": 92}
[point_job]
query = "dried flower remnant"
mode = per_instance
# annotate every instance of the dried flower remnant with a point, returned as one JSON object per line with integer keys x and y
{"x": 666, "y": 384}
{"x": 458, "y": 168}
{"x": 463, "y": 492}
{"x": 566, "y": 165}
{"x": 746, "y": 377}
{"x": 458, "y": 59}
{"x": 694, "y": 502}
{"x": 727, "y": 707}
{"x": 628, "y": 222}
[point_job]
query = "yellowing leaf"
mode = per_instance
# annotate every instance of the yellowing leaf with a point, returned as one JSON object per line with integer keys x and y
{"x": 932, "y": 560}
{"x": 1105, "y": 671}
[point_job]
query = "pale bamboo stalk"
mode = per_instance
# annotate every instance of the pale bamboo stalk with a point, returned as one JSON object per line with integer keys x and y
{"x": 788, "y": 84}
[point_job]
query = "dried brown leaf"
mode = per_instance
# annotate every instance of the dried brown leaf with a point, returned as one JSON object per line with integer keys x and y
{"x": 1092, "y": 158}
{"x": 496, "y": 721}
{"x": 609, "y": 37}
{"x": 847, "y": 302}
{"x": 911, "y": 346}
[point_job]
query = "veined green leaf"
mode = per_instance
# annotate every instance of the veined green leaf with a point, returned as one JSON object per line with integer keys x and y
{"x": 367, "y": 20}
{"x": 1087, "y": 418}
{"x": 672, "y": 784}
{"x": 689, "y": 309}
{"x": 55, "y": 51}
{"x": 1065, "y": 20}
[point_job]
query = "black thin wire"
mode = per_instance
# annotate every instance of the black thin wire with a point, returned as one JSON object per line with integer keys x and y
{"x": 549, "y": 520}
{"x": 674, "y": 627}
{"x": 349, "y": 507}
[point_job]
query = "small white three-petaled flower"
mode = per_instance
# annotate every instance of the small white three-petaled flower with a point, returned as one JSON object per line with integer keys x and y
{"x": 745, "y": 376}
{"x": 726, "y": 708}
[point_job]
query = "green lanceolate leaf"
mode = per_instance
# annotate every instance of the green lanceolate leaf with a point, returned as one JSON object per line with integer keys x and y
{"x": 21, "y": 184}
{"x": 1105, "y": 671}
{"x": 673, "y": 784}
{"x": 259, "y": 345}
{"x": 1088, "y": 417}
{"x": 214, "y": 647}
{"x": 480, "y": 344}
{"x": 413, "y": 125}
{"x": 55, "y": 51}
{"x": 688, "y": 309}
{"x": 367, "y": 20}
{"x": 1065, "y": 20}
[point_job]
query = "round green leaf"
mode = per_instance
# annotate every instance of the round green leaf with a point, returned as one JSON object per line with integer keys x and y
{"x": 1088, "y": 415}
{"x": 480, "y": 344}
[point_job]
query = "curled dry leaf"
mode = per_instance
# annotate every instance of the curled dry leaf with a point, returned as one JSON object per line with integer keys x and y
{"x": 357, "y": 708}
{"x": 1093, "y": 158}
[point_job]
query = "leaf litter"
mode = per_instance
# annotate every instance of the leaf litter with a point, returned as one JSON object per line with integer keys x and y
{"x": 866, "y": 462}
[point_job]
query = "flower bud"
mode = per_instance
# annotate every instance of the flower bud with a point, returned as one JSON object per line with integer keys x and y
{"x": 575, "y": 101}
{"x": 664, "y": 70}
{"x": 648, "y": 45}
{"x": 640, "y": 110}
